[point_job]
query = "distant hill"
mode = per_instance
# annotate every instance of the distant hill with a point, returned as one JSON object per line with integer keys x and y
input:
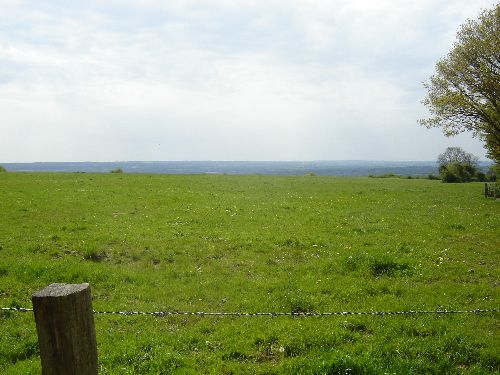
{"x": 278, "y": 168}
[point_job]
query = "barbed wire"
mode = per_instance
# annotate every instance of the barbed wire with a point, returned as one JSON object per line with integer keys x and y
{"x": 276, "y": 314}
{"x": 17, "y": 309}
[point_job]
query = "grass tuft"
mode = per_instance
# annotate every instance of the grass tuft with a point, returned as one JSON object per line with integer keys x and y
{"x": 387, "y": 266}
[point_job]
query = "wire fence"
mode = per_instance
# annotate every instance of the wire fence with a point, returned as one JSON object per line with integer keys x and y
{"x": 276, "y": 314}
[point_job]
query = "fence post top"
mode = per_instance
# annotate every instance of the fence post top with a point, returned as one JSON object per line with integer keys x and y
{"x": 60, "y": 290}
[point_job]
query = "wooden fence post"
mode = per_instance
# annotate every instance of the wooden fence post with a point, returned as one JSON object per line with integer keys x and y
{"x": 66, "y": 333}
{"x": 486, "y": 190}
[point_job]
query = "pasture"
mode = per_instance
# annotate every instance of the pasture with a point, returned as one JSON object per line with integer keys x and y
{"x": 257, "y": 244}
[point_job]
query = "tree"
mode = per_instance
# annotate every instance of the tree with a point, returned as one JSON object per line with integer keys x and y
{"x": 456, "y": 155}
{"x": 464, "y": 93}
{"x": 456, "y": 165}
{"x": 2, "y": 169}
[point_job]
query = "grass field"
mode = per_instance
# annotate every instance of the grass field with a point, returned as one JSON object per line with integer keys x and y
{"x": 257, "y": 244}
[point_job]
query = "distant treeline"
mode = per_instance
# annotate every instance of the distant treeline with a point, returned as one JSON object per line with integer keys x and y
{"x": 280, "y": 168}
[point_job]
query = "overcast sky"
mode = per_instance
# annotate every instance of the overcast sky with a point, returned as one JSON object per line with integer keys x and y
{"x": 223, "y": 79}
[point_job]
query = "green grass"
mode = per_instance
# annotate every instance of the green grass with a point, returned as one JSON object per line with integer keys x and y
{"x": 256, "y": 244}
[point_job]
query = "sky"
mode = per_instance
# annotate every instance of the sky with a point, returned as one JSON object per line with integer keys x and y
{"x": 223, "y": 79}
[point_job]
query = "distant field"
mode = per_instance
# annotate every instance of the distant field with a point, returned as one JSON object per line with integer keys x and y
{"x": 257, "y": 244}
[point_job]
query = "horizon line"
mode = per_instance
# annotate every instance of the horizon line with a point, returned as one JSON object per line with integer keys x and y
{"x": 230, "y": 161}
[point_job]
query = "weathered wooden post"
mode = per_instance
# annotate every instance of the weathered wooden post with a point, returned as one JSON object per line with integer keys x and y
{"x": 486, "y": 190}
{"x": 66, "y": 333}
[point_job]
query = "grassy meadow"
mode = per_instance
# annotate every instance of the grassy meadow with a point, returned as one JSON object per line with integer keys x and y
{"x": 257, "y": 244}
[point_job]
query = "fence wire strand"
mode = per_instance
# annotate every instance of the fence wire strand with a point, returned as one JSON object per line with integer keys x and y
{"x": 275, "y": 314}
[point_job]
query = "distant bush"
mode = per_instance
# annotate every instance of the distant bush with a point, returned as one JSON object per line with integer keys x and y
{"x": 432, "y": 176}
{"x": 480, "y": 176}
{"x": 2, "y": 169}
{"x": 456, "y": 165}
{"x": 393, "y": 175}
{"x": 311, "y": 174}
{"x": 385, "y": 175}
{"x": 117, "y": 170}
{"x": 458, "y": 172}
{"x": 494, "y": 173}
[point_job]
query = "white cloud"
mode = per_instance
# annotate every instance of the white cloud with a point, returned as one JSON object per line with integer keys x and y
{"x": 222, "y": 79}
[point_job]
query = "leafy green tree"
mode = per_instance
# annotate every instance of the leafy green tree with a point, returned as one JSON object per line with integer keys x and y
{"x": 457, "y": 172}
{"x": 456, "y": 165}
{"x": 464, "y": 93}
{"x": 493, "y": 173}
{"x": 456, "y": 155}
{"x": 2, "y": 169}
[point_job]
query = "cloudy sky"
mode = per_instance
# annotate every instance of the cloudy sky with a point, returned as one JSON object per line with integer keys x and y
{"x": 223, "y": 79}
